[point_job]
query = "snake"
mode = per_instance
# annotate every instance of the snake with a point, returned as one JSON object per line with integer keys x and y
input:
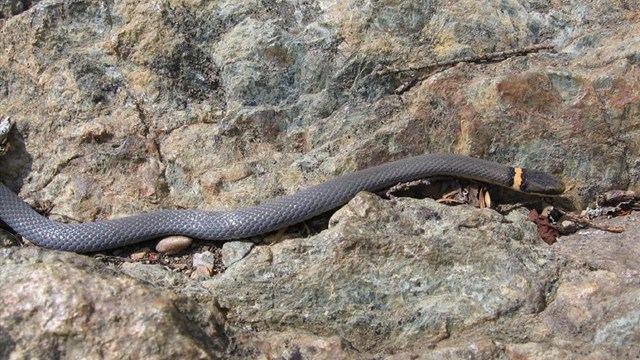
{"x": 266, "y": 217}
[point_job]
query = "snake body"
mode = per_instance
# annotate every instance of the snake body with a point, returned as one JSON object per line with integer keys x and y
{"x": 266, "y": 217}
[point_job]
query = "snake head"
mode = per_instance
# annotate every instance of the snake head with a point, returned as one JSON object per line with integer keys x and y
{"x": 542, "y": 183}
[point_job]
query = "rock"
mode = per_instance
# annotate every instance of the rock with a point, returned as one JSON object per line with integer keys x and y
{"x": 161, "y": 277}
{"x": 7, "y": 239}
{"x": 173, "y": 244}
{"x": 300, "y": 81}
{"x": 69, "y": 304}
{"x": 9, "y": 8}
{"x": 204, "y": 259}
{"x": 298, "y": 345}
{"x": 567, "y": 227}
{"x": 201, "y": 272}
{"x": 411, "y": 269}
{"x": 140, "y": 254}
{"x": 234, "y": 251}
{"x": 431, "y": 281}
{"x": 596, "y": 301}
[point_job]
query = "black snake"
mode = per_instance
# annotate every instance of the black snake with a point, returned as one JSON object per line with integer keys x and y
{"x": 266, "y": 217}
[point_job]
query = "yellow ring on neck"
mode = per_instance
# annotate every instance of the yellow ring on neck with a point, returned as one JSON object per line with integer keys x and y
{"x": 517, "y": 179}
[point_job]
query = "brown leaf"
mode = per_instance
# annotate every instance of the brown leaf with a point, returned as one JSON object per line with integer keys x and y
{"x": 546, "y": 231}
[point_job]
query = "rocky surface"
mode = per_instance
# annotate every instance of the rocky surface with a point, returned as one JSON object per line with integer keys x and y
{"x": 123, "y": 107}
{"x": 60, "y": 305}
{"x": 429, "y": 272}
{"x": 596, "y": 301}
{"x": 414, "y": 279}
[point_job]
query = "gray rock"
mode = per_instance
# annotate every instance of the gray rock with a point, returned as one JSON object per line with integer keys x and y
{"x": 234, "y": 251}
{"x": 299, "y": 80}
{"x": 201, "y": 272}
{"x": 596, "y": 298}
{"x": 72, "y": 306}
{"x": 7, "y": 239}
{"x": 9, "y": 8}
{"x": 388, "y": 275}
{"x": 204, "y": 259}
{"x": 163, "y": 278}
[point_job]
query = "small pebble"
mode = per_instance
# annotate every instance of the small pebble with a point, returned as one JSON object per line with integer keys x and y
{"x": 567, "y": 227}
{"x": 204, "y": 259}
{"x": 234, "y": 251}
{"x": 173, "y": 244}
{"x": 201, "y": 272}
{"x": 140, "y": 254}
